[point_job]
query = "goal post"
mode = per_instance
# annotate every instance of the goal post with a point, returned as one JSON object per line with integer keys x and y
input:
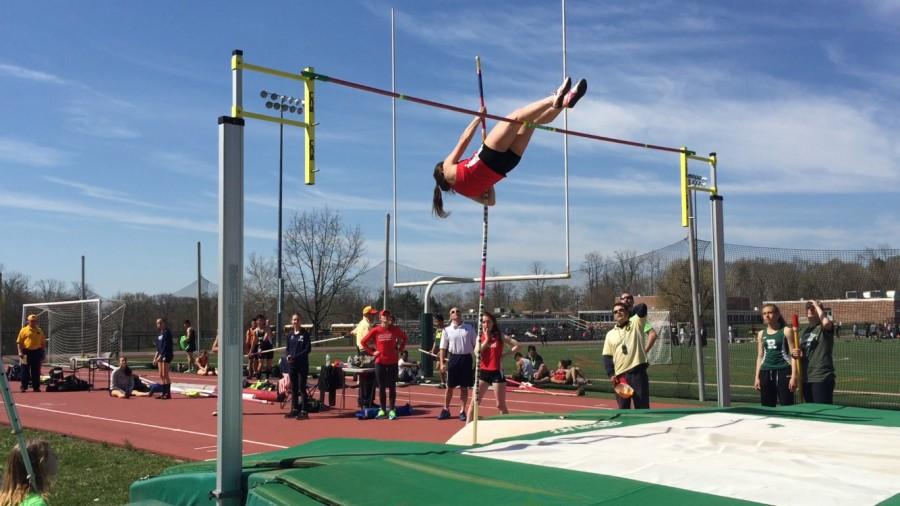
{"x": 79, "y": 328}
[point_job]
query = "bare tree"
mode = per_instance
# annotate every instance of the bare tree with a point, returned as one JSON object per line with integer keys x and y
{"x": 535, "y": 290}
{"x": 53, "y": 290}
{"x": 261, "y": 287}
{"x": 500, "y": 294}
{"x": 627, "y": 269}
{"x": 323, "y": 258}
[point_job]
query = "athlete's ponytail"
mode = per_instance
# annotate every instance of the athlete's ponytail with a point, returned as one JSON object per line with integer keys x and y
{"x": 440, "y": 185}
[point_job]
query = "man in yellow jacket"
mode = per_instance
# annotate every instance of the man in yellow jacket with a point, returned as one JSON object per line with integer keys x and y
{"x": 364, "y": 325}
{"x": 31, "y": 343}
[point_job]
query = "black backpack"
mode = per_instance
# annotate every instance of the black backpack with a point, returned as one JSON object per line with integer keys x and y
{"x": 14, "y": 372}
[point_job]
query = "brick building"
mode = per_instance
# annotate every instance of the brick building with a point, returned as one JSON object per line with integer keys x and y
{"x": 847, "y": 311}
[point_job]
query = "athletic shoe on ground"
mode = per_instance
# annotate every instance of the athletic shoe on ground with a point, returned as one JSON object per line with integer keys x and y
{"x": 559, "y": 100}
{"x": 381, "y": 415}
{"x": 579, "y": 391}
{"x": 445, "y": 414}
{"x": 442, "y": 385}
{"x": 392, "y": 415}
{"x": 303, "y": 415}
{"x": 575, "y": 95}
{"x": 462, "y": 415}
{"x": 292, "y": 414}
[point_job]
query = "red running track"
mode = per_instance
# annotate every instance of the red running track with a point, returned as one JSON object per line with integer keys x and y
{"x": 185, "y": 427}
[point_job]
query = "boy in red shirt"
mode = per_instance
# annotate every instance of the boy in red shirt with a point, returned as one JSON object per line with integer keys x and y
{"x": 389, "y": 341}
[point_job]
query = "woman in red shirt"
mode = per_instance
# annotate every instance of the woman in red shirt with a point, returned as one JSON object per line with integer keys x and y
{"x": 474, "y": 177}
{"x": 490, "y": 351}
{"x": 389, "y": 342}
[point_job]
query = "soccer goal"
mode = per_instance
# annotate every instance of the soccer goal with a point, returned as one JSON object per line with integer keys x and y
{"x": 79, "y": 328}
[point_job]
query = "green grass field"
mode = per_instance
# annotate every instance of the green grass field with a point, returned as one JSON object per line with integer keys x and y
{"x": 868, "y": 372}
{"x": 92, "y": 473}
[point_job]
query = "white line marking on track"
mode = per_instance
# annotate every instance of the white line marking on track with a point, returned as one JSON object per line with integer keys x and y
{"x": 140, "y": 424}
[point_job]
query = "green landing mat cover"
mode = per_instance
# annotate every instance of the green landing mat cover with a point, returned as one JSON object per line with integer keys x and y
{"x": 669, "y": 457}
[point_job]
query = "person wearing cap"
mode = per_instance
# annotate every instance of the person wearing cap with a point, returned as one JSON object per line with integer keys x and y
{"x": 31, "y": 343}
{"x": 624, "y": 355}
{"x": 389, "y": 341}
{"x": 364, "y": 326}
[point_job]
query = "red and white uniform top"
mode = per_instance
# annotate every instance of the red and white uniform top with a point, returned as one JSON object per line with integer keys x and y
{"x": 491, "y": 353}
{"x": 474, "y": 177}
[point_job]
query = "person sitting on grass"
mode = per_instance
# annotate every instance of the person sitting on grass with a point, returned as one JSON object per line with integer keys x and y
{"x": 124, "y": 382}
{"x": 202, "y": 365}
{"x": 524, "y": 369}
{"x": 16, "y": 488}
{"x": 537, "y": 362}
{"x": 408, "y": 370}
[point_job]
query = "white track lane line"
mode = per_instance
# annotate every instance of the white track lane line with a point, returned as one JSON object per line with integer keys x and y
{"x": 140, "y": 424}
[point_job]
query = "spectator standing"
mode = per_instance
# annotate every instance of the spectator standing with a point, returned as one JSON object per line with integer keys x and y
{"x": 455, "y": 359}
{"x": 388, "y": 340}
{"x": 265, "y": 350}
{"x": 297, "y": 351}
{"x": 16, "y": 488}
{"x": 163, "y": 358}
{"x": 730, "y": 334}
{"x": 490, "y": 357}
{"x": 817, "y": 346}
{"x": 364, "y": 326}
{"x": 624, "y": 355}
{"x": 649, "y": 333}
{"x": 31, "y": 343}
{"x": 776, "y": 373}
{"x": 190, "y": 344}
{"x": 251, "y": 348}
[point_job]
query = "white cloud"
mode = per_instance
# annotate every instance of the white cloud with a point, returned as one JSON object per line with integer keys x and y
{"x": 100, "y": 193}
{"x": 30, "y": 74}
{"x": 30, "y": 154}
{"x": 185, "y": 164}
{"x": 98, "y": 119}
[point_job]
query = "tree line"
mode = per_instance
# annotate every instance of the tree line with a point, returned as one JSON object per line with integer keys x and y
{"x": 323, "y": 258}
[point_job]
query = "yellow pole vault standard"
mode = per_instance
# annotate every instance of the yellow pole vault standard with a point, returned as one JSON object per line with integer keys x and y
{"x": 309, "y": 110}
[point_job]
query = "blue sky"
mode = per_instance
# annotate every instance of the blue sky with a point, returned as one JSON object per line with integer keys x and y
{"x": 108, "y": 142}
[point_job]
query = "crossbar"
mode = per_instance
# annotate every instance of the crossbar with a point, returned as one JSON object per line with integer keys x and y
{"x": 491, "y": 279}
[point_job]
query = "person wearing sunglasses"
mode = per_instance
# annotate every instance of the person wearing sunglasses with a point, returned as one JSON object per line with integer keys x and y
{"x": 628, "y": 299}
{"x": 455, "y": 359}
{"x": 625, "y": 358}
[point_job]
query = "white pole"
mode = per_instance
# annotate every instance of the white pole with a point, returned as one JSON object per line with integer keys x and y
{"x": 231, "y": 268}
{"x": 394, "y": 138}
{"x": 565, "y": 139}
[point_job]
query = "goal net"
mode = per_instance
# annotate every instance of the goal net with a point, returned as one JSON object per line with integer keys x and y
{"x": 79, "y": 328}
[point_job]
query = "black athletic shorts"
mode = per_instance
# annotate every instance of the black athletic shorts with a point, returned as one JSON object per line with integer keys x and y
{"x": 191, "y": 346}
{"x": 501, "y": 163}
{"x": 386, "y": 375}
{"x": 460, "y": 371}
{"x": 264, "y": 347}
{"x": 491, "y": 376}
{"x": 166, "y": 358}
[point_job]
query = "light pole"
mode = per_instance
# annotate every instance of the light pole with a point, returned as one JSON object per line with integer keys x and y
{"x": 280, "y": 103}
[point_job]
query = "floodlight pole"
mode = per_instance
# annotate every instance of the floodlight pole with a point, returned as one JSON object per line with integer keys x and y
{"x": 280, "y": 327}
{"x": 199, "y": 298}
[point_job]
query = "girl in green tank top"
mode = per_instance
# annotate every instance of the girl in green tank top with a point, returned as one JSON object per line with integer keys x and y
{"x": 776, "y": 373}
{"x": 775, "y": 350}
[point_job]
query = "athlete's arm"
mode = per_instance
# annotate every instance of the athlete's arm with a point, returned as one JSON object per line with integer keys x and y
{"x": 651, "y": 340}
{"x": 760, "y": 352}
{"x": 456, "y": 154}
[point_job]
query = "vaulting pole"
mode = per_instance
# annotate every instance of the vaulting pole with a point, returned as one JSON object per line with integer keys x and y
{"x": 484, "y": 238}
